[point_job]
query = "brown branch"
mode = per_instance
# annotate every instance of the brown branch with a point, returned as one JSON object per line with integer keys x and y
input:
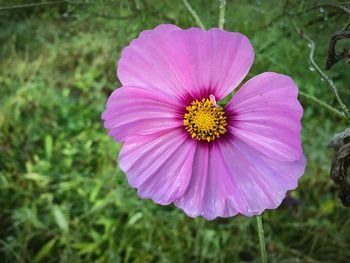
{"x": 333, "y": 55}
{"x": 341, "y": 161}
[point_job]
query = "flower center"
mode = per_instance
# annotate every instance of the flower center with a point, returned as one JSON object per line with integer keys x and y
{"x": 204, "y": 120}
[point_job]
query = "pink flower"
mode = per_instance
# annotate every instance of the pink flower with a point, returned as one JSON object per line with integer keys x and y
{"x": 181, "y": 147}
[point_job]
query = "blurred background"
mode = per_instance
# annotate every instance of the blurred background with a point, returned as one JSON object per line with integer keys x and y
{"x": 63, "y": 197}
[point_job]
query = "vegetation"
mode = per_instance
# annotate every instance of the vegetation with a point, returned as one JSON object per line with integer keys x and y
{"x": 63, "y": 197}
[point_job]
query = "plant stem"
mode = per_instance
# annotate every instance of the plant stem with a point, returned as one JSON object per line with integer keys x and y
{"x": 40, "y": 4}
{"x": 194, "y": 14}
{"x": 222, "y": 14}
{"x": 263, "y": 256}
{"x": 335, "y": 6}
{"x": 324, "y": 76}
{"x": 4, "y": 8}
{"x": 322, "y": 104}
{"x": 346, "y": 26}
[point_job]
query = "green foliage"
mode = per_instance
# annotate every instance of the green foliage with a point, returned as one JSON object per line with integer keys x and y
{"x": 63, "y": 197}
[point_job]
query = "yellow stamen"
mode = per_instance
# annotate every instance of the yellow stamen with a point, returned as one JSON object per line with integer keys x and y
{"x": 204, "y": 120}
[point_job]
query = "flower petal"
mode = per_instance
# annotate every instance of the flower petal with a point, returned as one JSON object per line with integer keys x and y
{"x": 259, "y": 182}
{"x": 133, "y": 111}
{"x": 230, "y": 177}
{"x": 210, "y": 186}
{"x": 159, "y": 165}
{"x": 188, "y": 64}
{"x": 265, "y": 113}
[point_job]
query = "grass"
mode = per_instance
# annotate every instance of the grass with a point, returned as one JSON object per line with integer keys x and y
{"x": 63, "y": 197}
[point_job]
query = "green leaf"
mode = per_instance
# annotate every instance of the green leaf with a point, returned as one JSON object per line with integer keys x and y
{"x": 44, "y": 250}
{"x": 48, "y": 146}
{"x": 60, "y": 218}
{"x": 134, "y": 218}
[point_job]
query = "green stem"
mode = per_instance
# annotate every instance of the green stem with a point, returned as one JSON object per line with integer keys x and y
{"x": 322, "y": 104}
{"x": 334, "y": 6}
{"x": 34, "y": 5}
{"x": 346, "y": 26}
{"x": 194, "y": 14}
{"x": 324, "y": 76}
{"x": 263, "y": 256}
{"x": 222, "y": 14}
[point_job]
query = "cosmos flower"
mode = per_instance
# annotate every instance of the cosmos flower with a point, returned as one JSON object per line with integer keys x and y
{"x": 180, "y": 146}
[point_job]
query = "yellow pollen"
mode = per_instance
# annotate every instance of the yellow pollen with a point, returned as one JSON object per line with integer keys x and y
{"x": 204, "y": 120}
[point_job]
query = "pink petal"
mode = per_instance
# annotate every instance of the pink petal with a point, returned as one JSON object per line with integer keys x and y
{"x": 265, "y": 113}
{"x": 259, "y": 182}
{"x": 186, "y": 64}
{"x": 230, "y": 177}
{"x": 159, "y": 165}
{"x": 133, "y": 111}
{"x": 209, "y": 188}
